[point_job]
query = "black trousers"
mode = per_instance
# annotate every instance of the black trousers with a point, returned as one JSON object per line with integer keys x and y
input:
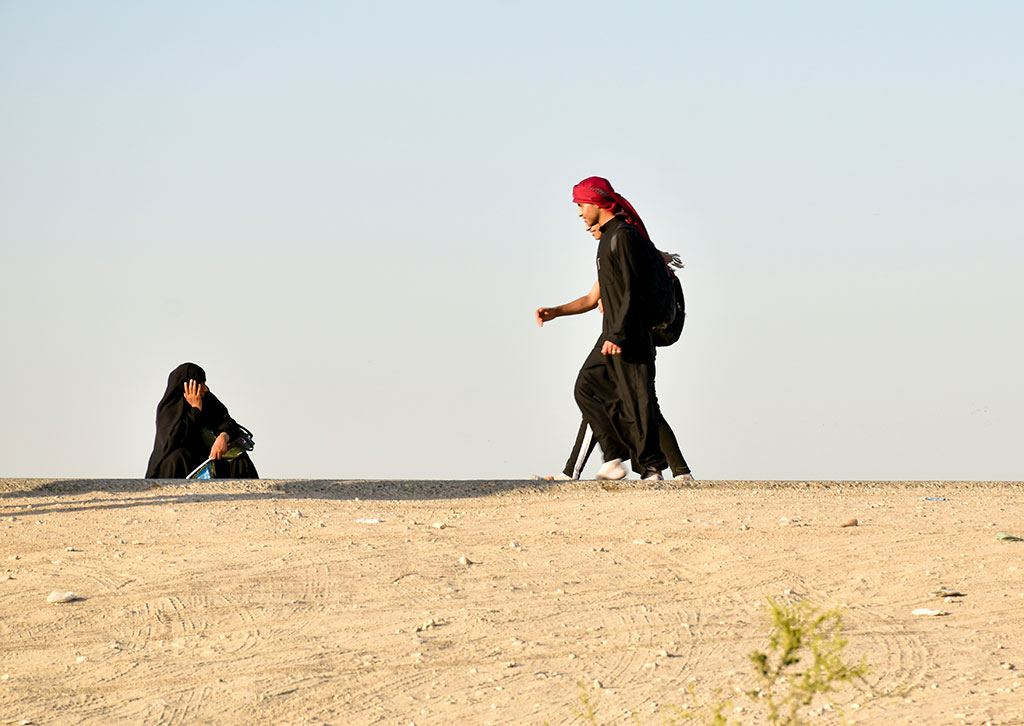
{"x": 666, "y": 439}
{"x": 570, "y": 464}
{"x": 616, "y": 395}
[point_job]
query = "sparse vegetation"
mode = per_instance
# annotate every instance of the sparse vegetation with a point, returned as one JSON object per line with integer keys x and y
{"x": 802, "y": 665}
{"x": 804, "y": 660}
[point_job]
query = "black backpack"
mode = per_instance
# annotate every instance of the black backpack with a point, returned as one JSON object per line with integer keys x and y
{"x": 668, "y": 333}
{"x": 662, "y": 295}
{"x": 658, "y": 299}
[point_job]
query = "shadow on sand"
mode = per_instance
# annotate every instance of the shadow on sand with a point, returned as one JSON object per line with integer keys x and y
{"x": 155, "y": 492}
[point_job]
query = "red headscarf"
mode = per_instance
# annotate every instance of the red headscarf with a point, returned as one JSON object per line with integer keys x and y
{"x": 598, "y": 191}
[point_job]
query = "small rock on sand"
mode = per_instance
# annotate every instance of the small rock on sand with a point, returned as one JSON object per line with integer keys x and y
{"x": 59, "y": 597}
{"x": 849, "y": 523}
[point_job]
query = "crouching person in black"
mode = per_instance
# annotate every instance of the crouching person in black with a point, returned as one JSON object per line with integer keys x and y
{"x": 188, "y": 417}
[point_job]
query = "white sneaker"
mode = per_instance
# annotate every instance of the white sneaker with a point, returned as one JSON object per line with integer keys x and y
{"x": 684, "y": 477}
{"x": 611, "y": 469}
{"x": 653, "y": 475}
{"x": 560, "y": 476}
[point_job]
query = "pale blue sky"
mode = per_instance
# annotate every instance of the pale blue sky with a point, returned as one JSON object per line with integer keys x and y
{"x": 347, "y": 213}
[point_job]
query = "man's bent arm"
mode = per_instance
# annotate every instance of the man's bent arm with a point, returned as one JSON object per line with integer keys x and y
{"x": 580, "y": 305}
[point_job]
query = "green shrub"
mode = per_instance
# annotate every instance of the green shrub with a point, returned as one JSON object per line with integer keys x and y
{"x": 803, "y": 662}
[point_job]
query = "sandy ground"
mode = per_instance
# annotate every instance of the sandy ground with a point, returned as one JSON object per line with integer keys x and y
{"x": 335, "y": 602}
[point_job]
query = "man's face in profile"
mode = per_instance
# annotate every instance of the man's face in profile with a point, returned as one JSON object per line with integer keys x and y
{"x": 589, "y": 213}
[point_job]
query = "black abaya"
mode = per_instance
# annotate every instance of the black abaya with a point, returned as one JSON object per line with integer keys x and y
{"x": 179, "y": 447}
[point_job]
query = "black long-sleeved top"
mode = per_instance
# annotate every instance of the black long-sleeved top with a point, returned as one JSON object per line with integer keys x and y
{"x": 624, "y": 259}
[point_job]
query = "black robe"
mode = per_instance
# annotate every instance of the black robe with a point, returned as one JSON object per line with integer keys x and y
{"x": 616, "y": 393}
{"x": 179, "y": 447}
{"x": 626, "y": 262}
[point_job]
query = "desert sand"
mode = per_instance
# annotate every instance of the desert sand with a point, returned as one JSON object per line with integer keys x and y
{"x": 489, "y": 602}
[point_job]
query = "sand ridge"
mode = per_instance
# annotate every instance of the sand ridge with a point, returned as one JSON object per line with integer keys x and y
{"x": 397, "y": 602}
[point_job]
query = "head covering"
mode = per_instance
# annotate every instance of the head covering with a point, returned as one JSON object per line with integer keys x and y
{"x": 172, "y": 409}
{"x": 598, "y": 191}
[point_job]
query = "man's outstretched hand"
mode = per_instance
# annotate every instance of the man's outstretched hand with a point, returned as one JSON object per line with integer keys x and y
{"x": 545, "y": 315}
{"x": 609, "y": 348}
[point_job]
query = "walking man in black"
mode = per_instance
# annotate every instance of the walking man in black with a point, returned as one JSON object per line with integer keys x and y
{"x": 615, "y": 387}
{"x": 585, "y": 442}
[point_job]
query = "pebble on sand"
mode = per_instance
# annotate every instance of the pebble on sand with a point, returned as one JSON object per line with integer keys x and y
{"x": 849, "y": 523}
{"x": 59, "y": 597}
